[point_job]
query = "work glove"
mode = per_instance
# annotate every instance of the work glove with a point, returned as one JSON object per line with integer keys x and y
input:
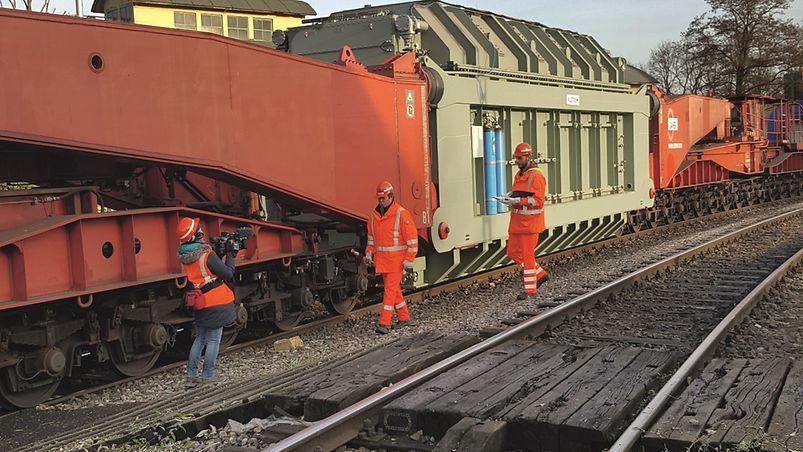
{"x": 507, "y": 200}
{"x": 408, "y": 266}
{"x": 368, "y": 259}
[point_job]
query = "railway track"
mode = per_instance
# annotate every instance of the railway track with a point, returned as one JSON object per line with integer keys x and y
{"x": 746, "y": 262}
{"x": 263, "y": 385}
{"x": 373, "y": 307}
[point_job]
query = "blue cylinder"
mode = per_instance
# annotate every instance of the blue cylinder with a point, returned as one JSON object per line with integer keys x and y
{"x": 501, "y": 167}
{"x": 489, "y": 158}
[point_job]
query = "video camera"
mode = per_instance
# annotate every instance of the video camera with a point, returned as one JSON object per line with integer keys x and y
{"x": 232, "y": 241}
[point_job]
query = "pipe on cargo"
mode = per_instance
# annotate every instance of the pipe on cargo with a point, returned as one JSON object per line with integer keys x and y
{"x": 501, "y": 168}
{"x": 489, "y": 158}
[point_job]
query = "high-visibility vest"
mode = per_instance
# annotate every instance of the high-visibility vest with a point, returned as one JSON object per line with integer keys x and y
{"x": 392, "y": 238}
{"x": 215, "y": 292}
{"x": 527, "y": 217}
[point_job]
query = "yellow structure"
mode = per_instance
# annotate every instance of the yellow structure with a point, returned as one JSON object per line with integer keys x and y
{"x": 250, "y": 20}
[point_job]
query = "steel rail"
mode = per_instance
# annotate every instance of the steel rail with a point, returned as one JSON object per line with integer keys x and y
{"x": 417, "y": 296}
{"x": 420, "y": 295}
{"x": 700, "y": 355}
{"x": 337, "y": 429}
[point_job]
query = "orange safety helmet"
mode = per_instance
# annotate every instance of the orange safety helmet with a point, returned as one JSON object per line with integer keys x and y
{"x": 186, "y": 229}
{"x": 523, "y": 149}
{"x": 383, "y": 189}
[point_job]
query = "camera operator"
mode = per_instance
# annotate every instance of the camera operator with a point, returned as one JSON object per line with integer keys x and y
{"x": 206, "y": 272}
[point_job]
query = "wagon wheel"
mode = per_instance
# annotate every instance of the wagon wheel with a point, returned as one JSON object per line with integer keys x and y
{"x": 133, "y": 366}
{"x": 338, "y": 302}
{"x": 230, "y": 332}
{"x": 292, "y": 311}
{"x": 229, "y": 336}
{"x": 19, "y": 391}
{"x": 138, "y": 349}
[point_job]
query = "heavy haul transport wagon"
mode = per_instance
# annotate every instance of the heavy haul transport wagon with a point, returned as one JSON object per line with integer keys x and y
{"x": 122, "y": 129}
{"x": 494, "y": 82}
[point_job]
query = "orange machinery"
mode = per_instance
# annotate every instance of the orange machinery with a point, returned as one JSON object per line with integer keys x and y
{"x": 699, "y": 140}
{"x": 124, "y": 129}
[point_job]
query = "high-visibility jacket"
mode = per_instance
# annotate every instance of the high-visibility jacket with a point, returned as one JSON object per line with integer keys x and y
{"x": 392, "y": 238}
{"x": 215, "y": 291}
{"x": 527, "y": 216}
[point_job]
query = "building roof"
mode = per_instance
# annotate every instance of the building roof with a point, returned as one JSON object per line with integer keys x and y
{"x": 278, "y": 7}
{"x": 636, "y": 76}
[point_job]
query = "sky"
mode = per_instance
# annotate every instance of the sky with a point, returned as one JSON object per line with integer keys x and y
{"x": 628, "y": 28}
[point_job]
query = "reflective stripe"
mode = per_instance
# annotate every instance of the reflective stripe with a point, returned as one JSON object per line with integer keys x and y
{"x": 412, "y": 242}
{"x": 529, "y": 272}
{"x": 530, "y": 286}
{"x": 202, "y": 262}
{"x": 387, "y": 308}
{"x": 396, "y": 227}
{"x": 189, "y": 231}
{"x": 371, "y": 242}
{"x": 530, "y": 278}
{"x": 401, "y": 305}
{"x": 530, "y": 181}
{"x": 396, "y": 246}
{"x": 412, "y": 250}
{"x": 526, "y": 211}
{"x": 391, "y": 248}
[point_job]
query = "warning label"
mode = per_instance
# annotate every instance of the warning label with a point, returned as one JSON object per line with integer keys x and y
{"x": 409, "y": 97}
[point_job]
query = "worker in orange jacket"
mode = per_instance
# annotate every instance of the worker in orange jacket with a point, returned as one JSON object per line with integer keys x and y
{"x": 214, "y": 304}
{"x": 526, "y": 203}
{"x": 392, "y": 247}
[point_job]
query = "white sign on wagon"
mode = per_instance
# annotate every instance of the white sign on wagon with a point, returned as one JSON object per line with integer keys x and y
{"x": 672, "y": 124}
{"x": 573, "y": 99}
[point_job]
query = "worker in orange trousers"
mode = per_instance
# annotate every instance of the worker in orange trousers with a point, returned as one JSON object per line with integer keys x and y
{"x": 526, "y": 203}
{"x": 392, "y": 247}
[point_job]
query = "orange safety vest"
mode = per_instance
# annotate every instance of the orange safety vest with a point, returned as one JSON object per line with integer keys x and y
{"x": 527, "y": 217}
{"x": 392, "y": 238}
{"x": 200, "y": 276}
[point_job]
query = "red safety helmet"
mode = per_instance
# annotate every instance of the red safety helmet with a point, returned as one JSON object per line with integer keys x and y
{"x": 186, "y": 229}
{"x": 523, "y": 149}
{"x": 383, "y": 189}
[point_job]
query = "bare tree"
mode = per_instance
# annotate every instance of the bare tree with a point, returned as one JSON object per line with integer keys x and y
{"x": 744, "y": 46}
{"x": 677, "y": 73}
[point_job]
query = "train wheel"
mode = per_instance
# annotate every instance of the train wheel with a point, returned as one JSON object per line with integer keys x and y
{"x": 138, "y": 349}
{"x": 289, "y": 321}
{"x": 33, "y": 380}
{"x": 229, "y": 336}
{"x": 230, "y": 332}
{"x": 292, "y": 309}
{"x": 136, "y": 366}
{"x": 337, "y": 301}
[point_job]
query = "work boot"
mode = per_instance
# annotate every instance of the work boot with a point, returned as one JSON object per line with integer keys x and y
{"x": 382, "y": 329}
{"x": 404, "y": 323}
{"x": 524, "y": 296}
{"x": 191, "y": 382}
{"x": 206, "y": 381}
{"x": 541, "y": 281}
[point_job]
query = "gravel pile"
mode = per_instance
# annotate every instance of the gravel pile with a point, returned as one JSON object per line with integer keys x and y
{"x": 470, "y": 310}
